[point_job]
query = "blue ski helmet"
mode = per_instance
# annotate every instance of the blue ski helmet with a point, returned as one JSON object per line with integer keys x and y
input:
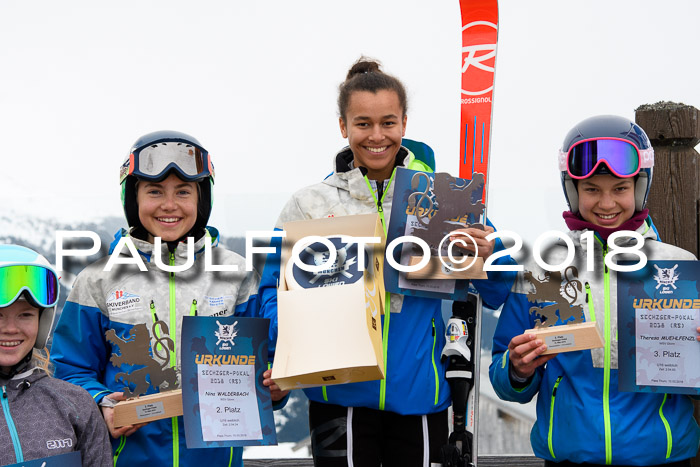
{"x": 597, "y": 151}
{"x": 154, "y": 157}
{"x": 25, "y": 274}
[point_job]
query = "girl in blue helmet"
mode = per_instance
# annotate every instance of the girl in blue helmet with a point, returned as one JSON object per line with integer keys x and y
{"x": 42, "y": 416}
{"x": 166, "y": 185}
{"x": 606, "y": 165}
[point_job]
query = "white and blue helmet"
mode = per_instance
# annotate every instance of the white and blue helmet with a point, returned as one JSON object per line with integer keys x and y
{"x": 25, "y": 274}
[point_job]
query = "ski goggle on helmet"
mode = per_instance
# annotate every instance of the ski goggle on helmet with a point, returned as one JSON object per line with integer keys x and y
{"x": 24, "y": 271}
{"x": 155, "y": 160}
{"x": 17, "y": 275}
{"x": 622, "y": 157}
{"x": 606, "y": 144}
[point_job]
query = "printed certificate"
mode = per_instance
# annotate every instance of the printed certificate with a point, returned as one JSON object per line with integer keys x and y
{"x": 658, "y": 314}
{"x": 224, "y": 400}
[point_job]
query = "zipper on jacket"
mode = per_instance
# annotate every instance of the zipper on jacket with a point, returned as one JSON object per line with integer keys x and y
{"x": 173, "y": 356}
{"x": 550, "y": 432}
{"x": 387, "y": 300}
{"x": 11, "y": 426}
{"x": 385, "y": 350}
{"x": 607, "y": 350}
{"x": 378, "y": 202}
{"x": 435, "y": 370}
{"x": 120, "y": 448}
{"x": 606, "y": 370}
{"x": 176, "y": 443}
{"x": 380, "y": 193}
{"x": 669, "y": 436}
{"x": 173, "y": 313}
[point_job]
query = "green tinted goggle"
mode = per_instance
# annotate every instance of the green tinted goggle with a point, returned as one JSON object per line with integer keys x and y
{"x": 41, "y": 283}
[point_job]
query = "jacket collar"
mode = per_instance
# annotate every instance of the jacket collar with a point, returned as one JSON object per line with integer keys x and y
{"x": 146, "y": 249}
{"x": 352, "y": 179}
{"x": 26, "y": 377}
{"x": 20, "y": 367}
{"x": 344, "y": 160}
{"x": 644, "y": 230}
{"x": 576, "y": 222}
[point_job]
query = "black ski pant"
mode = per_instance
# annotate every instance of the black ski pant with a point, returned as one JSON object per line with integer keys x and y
{"x": 362, "y": 437}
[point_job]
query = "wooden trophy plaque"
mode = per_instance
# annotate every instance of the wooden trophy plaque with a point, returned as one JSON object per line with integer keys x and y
{"x": 446, "y": 204}
{"x": 154, "y": 372}
{"x": 575, "y": 334}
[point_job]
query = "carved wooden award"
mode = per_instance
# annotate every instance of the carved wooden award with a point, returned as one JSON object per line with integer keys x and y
{"x": 563, "y": 292}
{"x": 446, "y": 204}
{"x": 152, "y": 370}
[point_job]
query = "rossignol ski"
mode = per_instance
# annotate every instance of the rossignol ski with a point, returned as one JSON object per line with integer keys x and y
{"x": 479, "y": 40}
{"x": 463, "y": 331}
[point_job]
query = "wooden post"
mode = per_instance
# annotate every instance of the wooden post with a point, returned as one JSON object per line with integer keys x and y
{"x": 674, "y": 199}
{"x": 674, "y": 130}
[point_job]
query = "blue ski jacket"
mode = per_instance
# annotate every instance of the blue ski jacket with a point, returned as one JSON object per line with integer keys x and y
{"x": 124, "y": 297}
{"x": 581, "y": 415}
{"x": 414, "y": 331}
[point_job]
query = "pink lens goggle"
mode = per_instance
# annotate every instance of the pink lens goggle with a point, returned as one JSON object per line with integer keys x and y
{"x": 622, "y": 157}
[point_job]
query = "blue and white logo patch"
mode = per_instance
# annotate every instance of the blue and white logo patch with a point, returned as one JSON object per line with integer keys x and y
{"x": 120, "y": 301}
